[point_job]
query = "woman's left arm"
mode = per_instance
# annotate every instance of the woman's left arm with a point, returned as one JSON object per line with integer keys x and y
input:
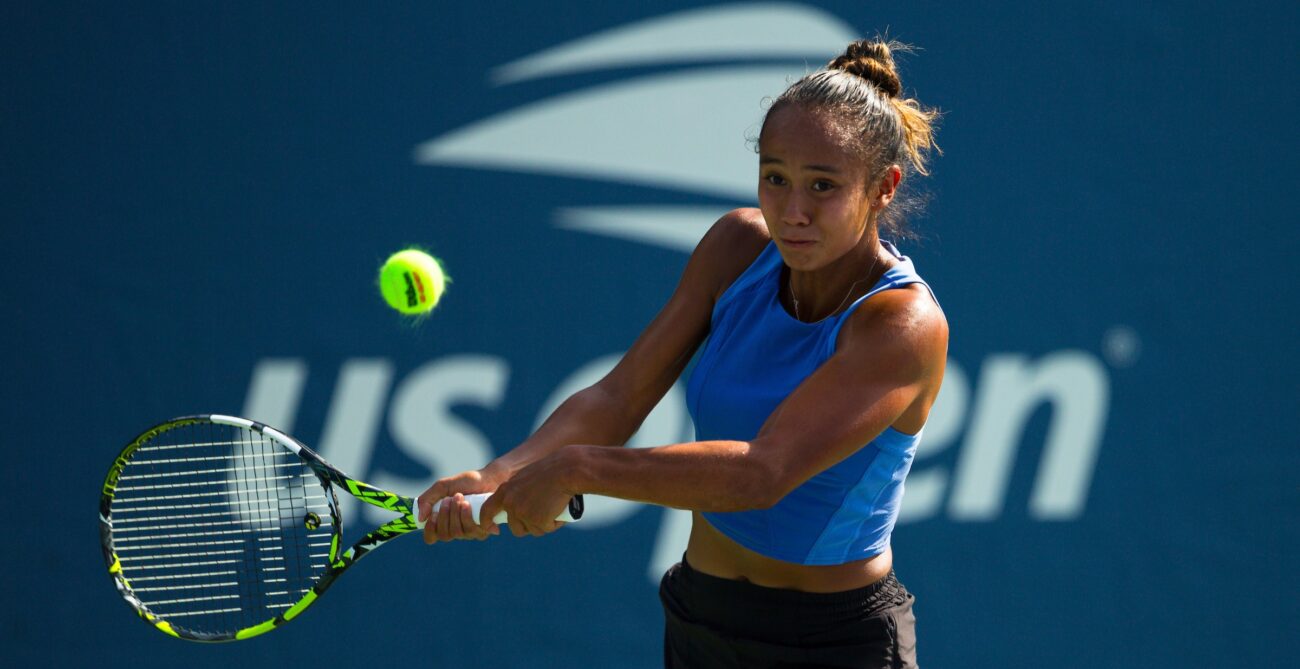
{"x": 886, "y": 370}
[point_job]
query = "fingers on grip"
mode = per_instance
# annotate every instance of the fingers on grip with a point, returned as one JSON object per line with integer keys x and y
{"x": 570, "y": 514}
{"x": 475, "y": 503}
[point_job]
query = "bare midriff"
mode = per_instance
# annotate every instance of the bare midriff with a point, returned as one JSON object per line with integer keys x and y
{"x": 711, "y": 552}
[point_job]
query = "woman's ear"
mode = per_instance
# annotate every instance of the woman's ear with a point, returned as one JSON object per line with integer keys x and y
{"x": 886, "y": 187}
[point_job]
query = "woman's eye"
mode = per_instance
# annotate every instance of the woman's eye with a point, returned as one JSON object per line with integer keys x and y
{"x": 774, "y": 179}
{"x": 822, "y": 186}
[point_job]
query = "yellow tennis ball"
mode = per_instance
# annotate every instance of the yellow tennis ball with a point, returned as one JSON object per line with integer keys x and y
{"x": 412, "y": 282}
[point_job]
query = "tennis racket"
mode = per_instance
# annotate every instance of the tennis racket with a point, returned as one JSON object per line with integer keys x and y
{"x": 217, "y": 528}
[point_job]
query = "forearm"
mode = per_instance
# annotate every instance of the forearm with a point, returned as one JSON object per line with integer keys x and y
{"x": 590, "y": 416}
{"x": 701, "y": 476}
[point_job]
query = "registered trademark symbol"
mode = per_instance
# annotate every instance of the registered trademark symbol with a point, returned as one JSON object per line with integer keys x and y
{"x": 1121, "y": 346}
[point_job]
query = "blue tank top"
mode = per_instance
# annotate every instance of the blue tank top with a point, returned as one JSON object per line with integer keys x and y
{"x": 756, "y": 354}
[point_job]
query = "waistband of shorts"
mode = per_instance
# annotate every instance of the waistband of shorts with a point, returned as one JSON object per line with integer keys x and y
{"x": 881, "y": 594}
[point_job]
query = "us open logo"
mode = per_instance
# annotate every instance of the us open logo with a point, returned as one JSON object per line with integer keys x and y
{"x": 683, "y": 130}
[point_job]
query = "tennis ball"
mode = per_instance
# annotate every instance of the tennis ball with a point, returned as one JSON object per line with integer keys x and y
{"x": 412, "y": 282}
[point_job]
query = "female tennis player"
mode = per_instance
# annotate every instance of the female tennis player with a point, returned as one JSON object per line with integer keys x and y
{"x": 823, "y": 352}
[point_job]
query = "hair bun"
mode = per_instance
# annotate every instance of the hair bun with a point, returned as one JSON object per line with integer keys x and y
{"x": 872, "y": 60}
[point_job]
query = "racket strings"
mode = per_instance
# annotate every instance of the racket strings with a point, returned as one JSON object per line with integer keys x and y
{"x": 219, "y": 527}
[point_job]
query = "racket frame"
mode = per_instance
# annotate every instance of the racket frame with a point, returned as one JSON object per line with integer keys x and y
{"x": 336, "y": 564}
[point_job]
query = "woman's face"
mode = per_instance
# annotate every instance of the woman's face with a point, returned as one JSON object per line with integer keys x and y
{"x": 813, "y": 188}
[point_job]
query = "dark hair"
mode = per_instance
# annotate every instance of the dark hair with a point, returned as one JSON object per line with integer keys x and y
{"x": 862, "y": 90}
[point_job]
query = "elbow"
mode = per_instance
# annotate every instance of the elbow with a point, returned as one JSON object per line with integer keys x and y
{"x": 765, "y": 485}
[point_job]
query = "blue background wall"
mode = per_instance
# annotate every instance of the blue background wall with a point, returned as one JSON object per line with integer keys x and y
{"x": 196, "y": 199}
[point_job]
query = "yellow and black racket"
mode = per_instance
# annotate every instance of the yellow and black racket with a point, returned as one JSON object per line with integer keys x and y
{"x": 217, "y": 528}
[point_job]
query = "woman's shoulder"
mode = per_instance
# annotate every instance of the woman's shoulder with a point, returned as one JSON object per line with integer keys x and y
{"x": 738, "y": 233}
{"x": 907, "y": 321}
{"x": 901, "y": 334}
{"x": 730, "y": 246}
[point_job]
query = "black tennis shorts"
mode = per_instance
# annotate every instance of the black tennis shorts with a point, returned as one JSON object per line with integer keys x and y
{"x": 714, "y": 622}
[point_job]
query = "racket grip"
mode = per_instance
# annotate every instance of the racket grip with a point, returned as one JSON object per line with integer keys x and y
{"x": 572, "y": 513}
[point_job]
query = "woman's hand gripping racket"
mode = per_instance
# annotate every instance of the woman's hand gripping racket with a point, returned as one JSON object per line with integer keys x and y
{"x": 217, "y": 528}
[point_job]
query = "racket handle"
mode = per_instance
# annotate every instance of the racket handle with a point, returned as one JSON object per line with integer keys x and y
{"x": 571, "y": 513}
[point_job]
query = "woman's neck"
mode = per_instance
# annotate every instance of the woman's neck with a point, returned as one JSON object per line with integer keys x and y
{"x": 819, "y": 294}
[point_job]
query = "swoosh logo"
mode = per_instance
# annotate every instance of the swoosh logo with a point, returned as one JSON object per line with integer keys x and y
{"x": 684, "y": 131}
{"x": 756, "y": 30}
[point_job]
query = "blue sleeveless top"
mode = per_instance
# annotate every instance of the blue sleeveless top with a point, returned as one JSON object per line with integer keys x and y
{"x": 756, "y": 354}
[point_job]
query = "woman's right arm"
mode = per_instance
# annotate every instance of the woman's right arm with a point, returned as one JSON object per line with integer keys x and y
{"x": 612, "y": 410}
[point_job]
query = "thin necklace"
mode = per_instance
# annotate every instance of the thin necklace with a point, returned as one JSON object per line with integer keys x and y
{"x": 795, "y": 300}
